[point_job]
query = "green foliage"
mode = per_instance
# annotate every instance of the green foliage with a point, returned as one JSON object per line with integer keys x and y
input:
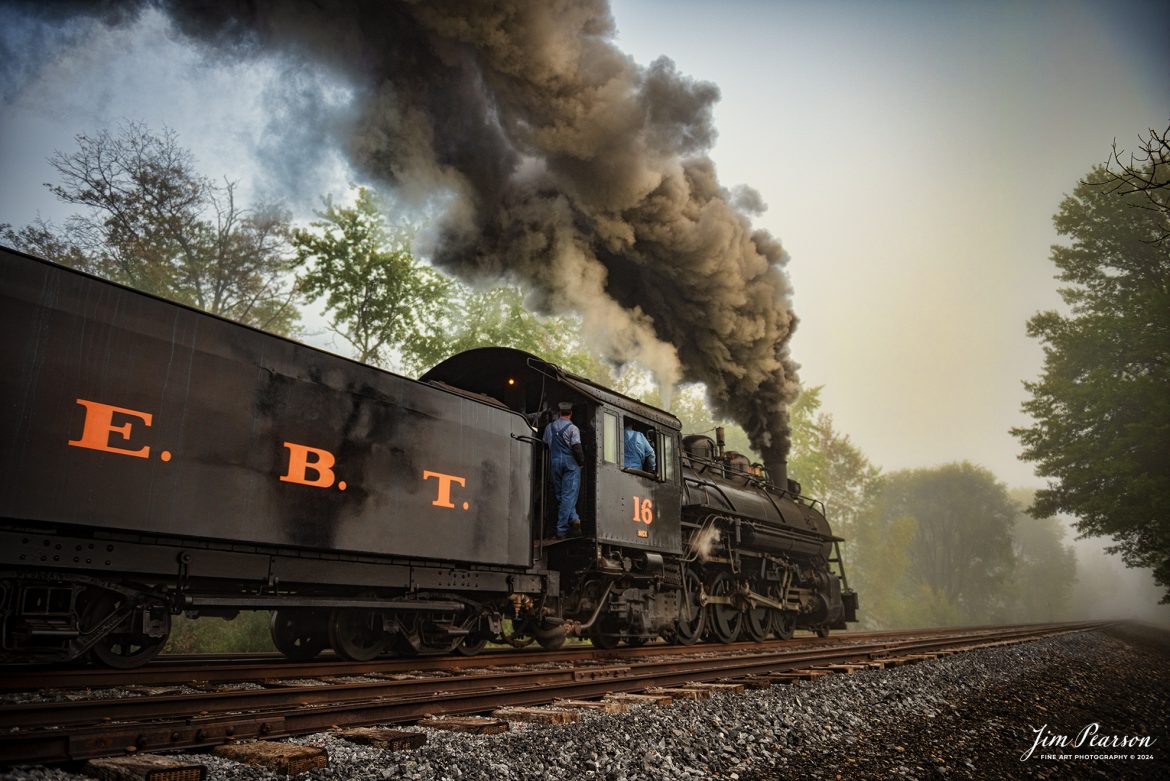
{"x": 246, "y": 633}
{"x": 1102, "y": 404}
{"x": 1046, "y": 569}
{"x": 378, "y": 297}
{"x": 879, "y": 570}
{"x": 153, "y": 223}
{"x": 498, "y": 317}
{"x": 960, "y": 558}
{"x": 827, "y": 463}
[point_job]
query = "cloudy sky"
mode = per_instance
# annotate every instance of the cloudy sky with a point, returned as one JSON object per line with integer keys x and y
{"x": 911, "y": 155}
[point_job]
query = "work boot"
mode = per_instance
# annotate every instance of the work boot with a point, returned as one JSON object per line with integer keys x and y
{"x": 575, "y": 529}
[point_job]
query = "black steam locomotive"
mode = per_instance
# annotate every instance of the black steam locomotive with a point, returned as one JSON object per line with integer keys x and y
{"x": 156, "y": 460}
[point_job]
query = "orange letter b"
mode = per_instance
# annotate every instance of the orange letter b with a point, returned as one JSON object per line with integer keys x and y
{"x": 299, "y": 465}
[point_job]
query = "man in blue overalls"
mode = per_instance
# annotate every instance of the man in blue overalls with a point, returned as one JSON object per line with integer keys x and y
{"x": 639, "y": 453}
{"x": 567, "y": 456}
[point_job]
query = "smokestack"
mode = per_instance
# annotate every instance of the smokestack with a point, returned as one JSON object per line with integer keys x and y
{"x": 778, "y": 472}
{"x": 720, "y": 441}
{"x": 555, "y": 158}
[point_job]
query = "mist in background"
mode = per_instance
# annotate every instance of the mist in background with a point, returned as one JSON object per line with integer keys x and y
{"x": 910, "y": 156}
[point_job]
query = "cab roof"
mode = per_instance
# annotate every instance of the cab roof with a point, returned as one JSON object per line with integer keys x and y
{"x": 486, "y": 370}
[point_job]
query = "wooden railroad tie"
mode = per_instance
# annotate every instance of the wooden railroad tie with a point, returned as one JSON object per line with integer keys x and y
{"x": 600, "y": 673}
{"x": 792, "y": 676}
{"x": 475, "y": 725}
{"x": 897, "y": 661}
{"x": 716, "y": 688}
{"x": 292, "y": 683}
{"x": 144, "y": 767}
{"x": 538, "y": 715}
{"x": 640, "y": 699}
{"x": 380, "y": 737}
{"x": 683, "y": 693}
{"x": 605, "y": 706}
{"x": 844, "y": 669}
{"x": 152, "y": 691}
{"x": 287, "y": 759}
{"x": 755, "y": 682}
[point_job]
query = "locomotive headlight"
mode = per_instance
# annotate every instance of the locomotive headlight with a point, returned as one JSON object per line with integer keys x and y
{"x": 511, "y": 381}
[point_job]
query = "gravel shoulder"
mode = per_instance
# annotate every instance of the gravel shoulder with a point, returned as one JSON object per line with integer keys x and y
{"x": 965, "y": 716}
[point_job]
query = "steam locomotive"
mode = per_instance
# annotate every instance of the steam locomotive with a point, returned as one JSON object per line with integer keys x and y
{"x": 157, "y": 460}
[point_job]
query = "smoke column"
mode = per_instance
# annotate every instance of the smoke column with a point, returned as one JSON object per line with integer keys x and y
{"x": 558, "y": 160}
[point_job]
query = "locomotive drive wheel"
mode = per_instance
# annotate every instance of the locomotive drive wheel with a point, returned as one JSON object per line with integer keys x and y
{"x": 691, "y": 616}
{"x": 758, "y": 623}
{"x": 123, "y": 648}
{"x": 726, "y": 620}
{"x": 356, "y": 634}
{"x": 783, "y": 624}
{"x": 298, "y": 634}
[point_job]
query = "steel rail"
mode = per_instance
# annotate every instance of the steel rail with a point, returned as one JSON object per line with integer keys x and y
{"x": 210, "y": 668}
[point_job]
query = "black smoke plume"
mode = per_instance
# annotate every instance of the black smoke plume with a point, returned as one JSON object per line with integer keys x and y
{"x": 557, "y": 159}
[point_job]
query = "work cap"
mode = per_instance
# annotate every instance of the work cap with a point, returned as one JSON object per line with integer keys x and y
{"x": 565, "y": 406}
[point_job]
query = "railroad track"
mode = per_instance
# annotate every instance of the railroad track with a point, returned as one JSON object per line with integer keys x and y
{"x": 59, "y": 731}
{"x": 210, "y": 668}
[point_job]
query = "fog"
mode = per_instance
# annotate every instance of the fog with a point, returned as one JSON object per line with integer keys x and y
{"x": 910, "y": 157}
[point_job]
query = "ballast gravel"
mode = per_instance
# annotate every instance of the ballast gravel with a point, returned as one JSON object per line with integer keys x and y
{"x": 970, "y": 715}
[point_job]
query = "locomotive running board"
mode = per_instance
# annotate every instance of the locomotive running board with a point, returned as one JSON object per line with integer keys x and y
{"x": 195, "y": 603}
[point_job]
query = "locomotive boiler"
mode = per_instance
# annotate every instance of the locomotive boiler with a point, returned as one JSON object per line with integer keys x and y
{"x": 158, "y": 460}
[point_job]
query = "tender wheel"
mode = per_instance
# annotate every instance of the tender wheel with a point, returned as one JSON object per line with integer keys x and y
{"x": 604, "y": 641}
{"x": 726, "y": 620}
{"x": 783, "y": 624}
{"x": 123, "y": 648}
{"x": 356, "y": 634}
{"x": 298, "y": 634}
{"x": 472, "y": 644}
{"x": 550, "y": 639}
{"x": 691, "y": 616}
{"x": 605, "y": 634}
{"x": 758, "y": 624}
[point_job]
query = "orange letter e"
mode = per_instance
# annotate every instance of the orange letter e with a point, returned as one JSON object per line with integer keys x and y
{"x": 99, "y": 424}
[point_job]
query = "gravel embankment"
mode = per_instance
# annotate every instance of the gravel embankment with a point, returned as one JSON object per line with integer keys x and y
{"x": 965, "y": 716}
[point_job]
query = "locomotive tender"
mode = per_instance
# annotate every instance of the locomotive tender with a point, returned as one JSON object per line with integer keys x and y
{"x": 157, "y": 460}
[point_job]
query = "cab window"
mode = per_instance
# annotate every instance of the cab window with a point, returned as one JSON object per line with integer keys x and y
{"x": 631, "y": 458}
{"x": 666, "y": 459}
{"x": 610, "y": 435}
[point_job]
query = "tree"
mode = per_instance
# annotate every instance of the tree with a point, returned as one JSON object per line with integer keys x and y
{"x": 1046, "y": 568}
{"x": 1101, "y": 408}
{"x": 827, "y": 463}
{"x": 960, "y": 556}
{"x": 153, "y": 223}
{"x": 1147, "y": 172}
{"x": 378, "y": 297}
{"x": 498, "y": 317}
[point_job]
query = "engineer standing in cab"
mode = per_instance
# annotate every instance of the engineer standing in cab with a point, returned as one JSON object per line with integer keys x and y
{"x": 567, "y": 456}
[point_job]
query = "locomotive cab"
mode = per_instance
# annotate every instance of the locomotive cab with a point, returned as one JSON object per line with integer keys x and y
{"x": 637, "y": 508}
{"x": 619, "y": 506}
